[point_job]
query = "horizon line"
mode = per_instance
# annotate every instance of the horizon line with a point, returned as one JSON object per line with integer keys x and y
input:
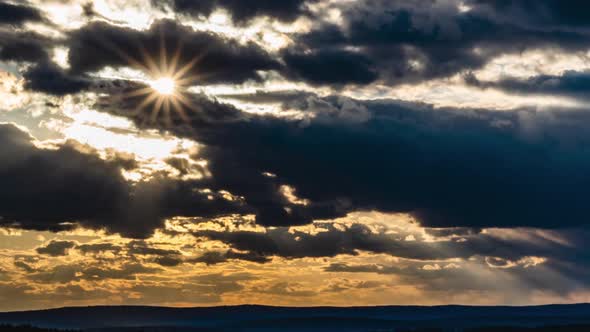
{"x": 300, "y": 307}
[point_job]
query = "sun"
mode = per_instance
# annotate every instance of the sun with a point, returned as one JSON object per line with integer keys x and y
{"x": 167, "y": 92}
{"x": 164, "y": 85}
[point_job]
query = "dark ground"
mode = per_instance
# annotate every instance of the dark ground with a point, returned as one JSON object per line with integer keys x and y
{"x": 566, "y": 318}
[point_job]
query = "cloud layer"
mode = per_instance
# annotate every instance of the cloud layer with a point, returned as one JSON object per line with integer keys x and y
{"x": 311, "y": 152}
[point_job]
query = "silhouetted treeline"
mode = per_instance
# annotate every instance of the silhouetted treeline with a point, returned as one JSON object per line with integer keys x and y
{"x": 570, "y": 328}
{"x": 28, "y": 328}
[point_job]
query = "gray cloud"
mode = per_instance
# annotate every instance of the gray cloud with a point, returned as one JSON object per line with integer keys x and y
{"x": 16, "y": 14}
{"x": 570, "y": 84}
{"x": 218, "y": 257}
{"x": 24, "y": 266}
{"x": 352, "y": 240}
{"x": 547, "y": 14}
{"x": 241, "y": 11}
{"x": 448, "y": 167}
{"x": 214, "y": 57}
{"x": 410, "y": 41}
{"x": 56, "y": 248}
{"x": 516, "y": 283}
{"x": 70, "y": 188}
{"x": 331, "y": 67}
{"x": 24, "y": 46}
{"x": 432, "y": 163}
{"x": 67, "y": 273}
{"x": 47, "y": 77}
{"x": 98, "y": 248}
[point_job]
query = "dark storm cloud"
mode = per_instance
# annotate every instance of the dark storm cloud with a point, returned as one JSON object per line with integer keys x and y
{"x": 332, "y": 67}
{"x": 267, "y": 97}
{"x": 544, "y": 13}
{"x": 183, "y": 166}
{"x": 70, "y": 188}
{"x": 209, "y": 258}
{"x": 410, "y": 41}
{"x": 339, "y": 239}
{"x": 261, "y": 193}
{"x": 143, "y": 249}
{"x": 216, "y": 59}
{"x": 508, "y": 261}
{"x": 447, "y": 167}
{"x": 24, "y": 46}
{"x": 15, "y": 14}
{"x": 42, "y": 75}
{"x": 136, "y": 251}
{"x": 98, "y": 248}
{"x": 282, "y": 243}
{"x": 56, "y": 248}
{"x": 241, "y": 11}
{"x": 64, "y": 185}
{"x": 49, "y": 78}
{"x": 154, "y": 201}
{"x": 22, "y": 50}
{"x": 572, "y": 84}
{"x": 168, "y": 261}
{"x": 217, "y": 257}
{"x": 139, "y": 250}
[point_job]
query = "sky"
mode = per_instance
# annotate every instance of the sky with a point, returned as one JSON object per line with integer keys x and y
{"x": 294, "y": 153}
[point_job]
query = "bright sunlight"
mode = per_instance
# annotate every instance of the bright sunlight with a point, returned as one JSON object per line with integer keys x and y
{"x": 164, "y": 85}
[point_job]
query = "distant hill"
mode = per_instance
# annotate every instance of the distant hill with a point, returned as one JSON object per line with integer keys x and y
{"x": 262, "y": 318}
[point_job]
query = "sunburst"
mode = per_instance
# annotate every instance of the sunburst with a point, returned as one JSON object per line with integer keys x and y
{"x": 166, "y": 89}
{"x": 164, "y": 85}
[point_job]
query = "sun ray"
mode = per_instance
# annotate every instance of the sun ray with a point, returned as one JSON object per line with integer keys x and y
{"x": 179, "y": 109}
{"x": 167, "y": 118}
{"x": 187, "y": 80}
{"x": 150, "y": 99}
{"x": 130, "y": 60}
{"x": 156, "y": 109}
{"x": 138, "y": 92}
{"x": 182, "y": 71}
{"x": 183, "y": 100}
{"x": 170, "y": 77}
{"x": 134, "y": 63}
{"x": 175, "y": 60}
{"x": 163, "y": 54}
{"x": 147, "y": 57}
